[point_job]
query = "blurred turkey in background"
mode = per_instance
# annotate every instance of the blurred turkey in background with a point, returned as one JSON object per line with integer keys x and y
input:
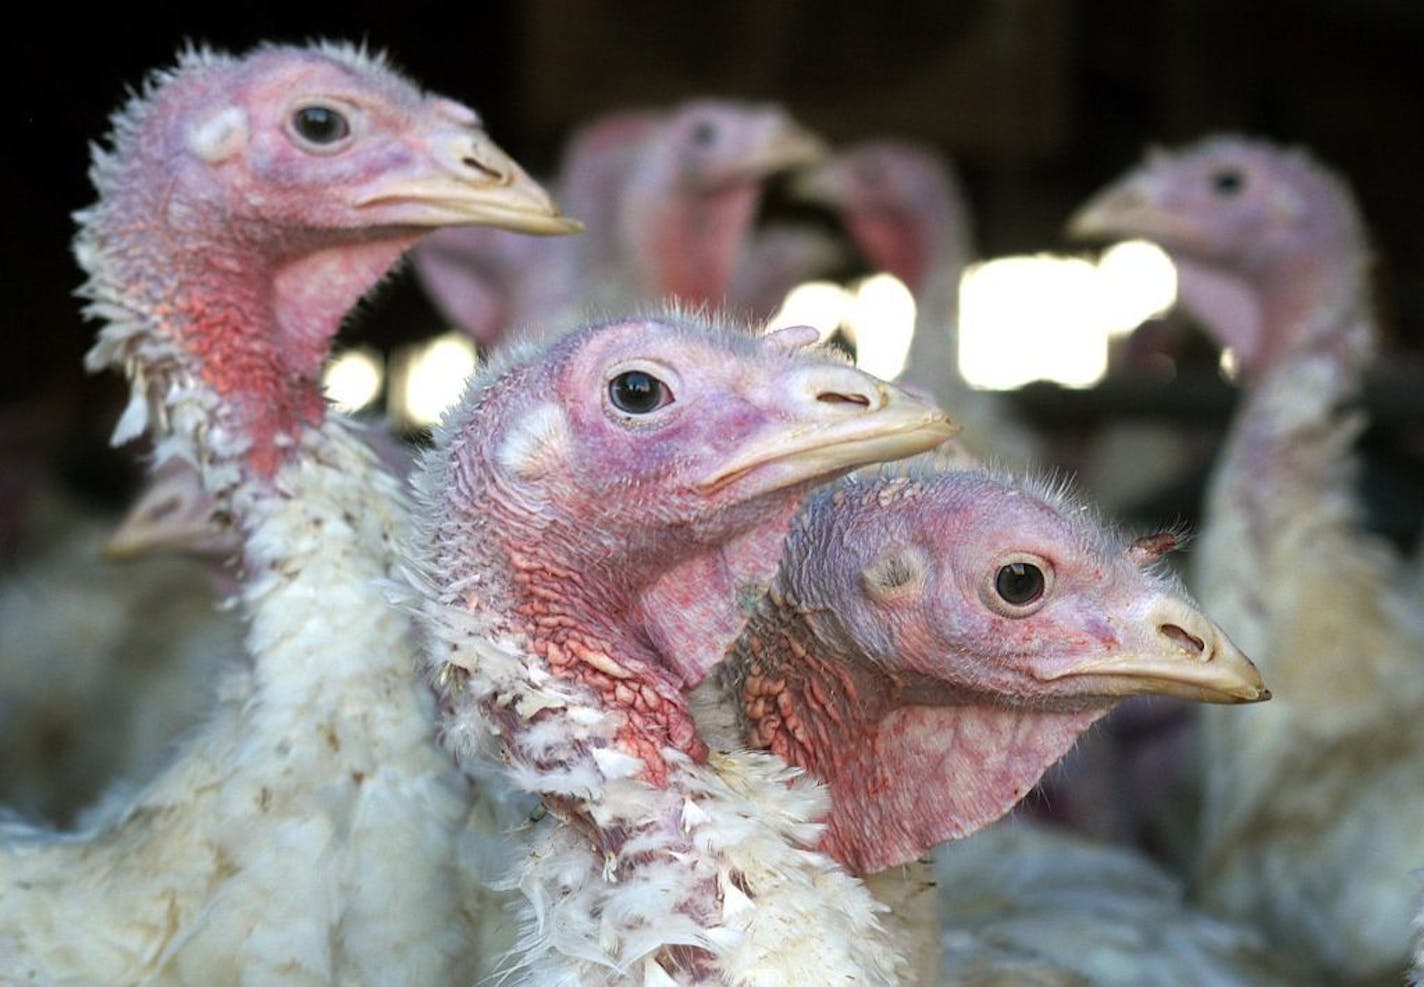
{"x": 1059, "y": 357}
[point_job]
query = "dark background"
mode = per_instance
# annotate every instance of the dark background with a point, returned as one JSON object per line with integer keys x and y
{"x": 1039, "y": 101}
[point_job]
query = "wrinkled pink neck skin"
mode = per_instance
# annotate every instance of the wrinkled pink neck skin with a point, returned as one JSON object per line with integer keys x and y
{"x": 924, "y": 246}
{"x": 910, "y": 763}
{"x": 491, "y": 282}
{"x": 1303, "y": 307}
{"x": 897, "y": 242}
{"x": 249, "y": 313}
{"x": 689, "y": 241}
{"x": 694, "y": 613}
{"x": 636, "y": 618}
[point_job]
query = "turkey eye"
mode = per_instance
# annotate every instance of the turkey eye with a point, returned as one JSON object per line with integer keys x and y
{"x": 320, "y": 124}
{"x": 1227, "y": 182}
{"x": 704, "y": 133}
{"x": 638, "y": 392}
{"x": 1019, "y": 583}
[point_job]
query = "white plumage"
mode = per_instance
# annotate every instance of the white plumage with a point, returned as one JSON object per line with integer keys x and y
{"x": 1312, "y": 803}
{"x": 686, "y": 871}
{"x": 104, "y": 664}
{"x": 309, "y": 831}
{"x": 1096, "y": 911}
{"x": 305, "y": 833}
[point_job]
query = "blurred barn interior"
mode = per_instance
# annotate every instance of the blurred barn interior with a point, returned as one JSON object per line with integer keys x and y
{"x": 1037, "y": 101}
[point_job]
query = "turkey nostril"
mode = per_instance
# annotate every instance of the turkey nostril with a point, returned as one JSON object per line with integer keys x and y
{"x": 835, "y": 397}
{"x": 1189, "y": 642}
{"x": 480, "y": 166}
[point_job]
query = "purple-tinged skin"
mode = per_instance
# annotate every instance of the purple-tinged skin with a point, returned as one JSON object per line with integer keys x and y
{"x": 610, "y": 541}
{"x": 889, "y": 661}
{"x": 1266, "y": 243}
{"x": 693, "y": 195}
{"x": 902, "y": 205}
{"x": 668, "y": 198}
{"x": 247, "y": 204}
{"x": 491, "y": 284}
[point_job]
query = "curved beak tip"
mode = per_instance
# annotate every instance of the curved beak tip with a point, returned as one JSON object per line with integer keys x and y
{"x": 1086, "y": 224}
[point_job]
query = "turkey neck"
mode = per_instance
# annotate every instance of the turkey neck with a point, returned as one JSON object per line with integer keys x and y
{"x": 220, "y": 323}
{"x": 910, "y": 760}
{"x": 1282, "y": 545}
{"x": 566, "y": 595}
{"x": 222, "y": 330}
{"x": 928, "y": 253}
{"x": 689, "y": 241}
{"x": 1287, "y": 454}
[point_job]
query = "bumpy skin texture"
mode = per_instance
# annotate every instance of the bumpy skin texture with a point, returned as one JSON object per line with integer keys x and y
{"x": 582, "y": 567}
{"x": 1310, "y": 827}
{"x": 306, "y": 832}
{"x": 887, "y": 661}
{"x": 884, "y": 661}
{"x": 669, "y": 199}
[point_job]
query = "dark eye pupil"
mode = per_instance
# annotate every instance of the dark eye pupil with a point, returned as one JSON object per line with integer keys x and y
{"x": 321, "y": 124}
{"x": 1019, "y": 583}
{"x": 704, "y": 133}
{"x": 1227, "y": 182}
{"x": 637, "y": 392}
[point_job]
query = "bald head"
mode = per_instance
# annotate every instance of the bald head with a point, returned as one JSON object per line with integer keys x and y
{"x": 592, "y": 492}
{"x": 934, "y": 641}
{"x": 1265, "y": 238}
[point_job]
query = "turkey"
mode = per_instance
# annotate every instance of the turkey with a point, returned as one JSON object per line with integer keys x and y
{"x": 306, "y": 832}
{"x": 489, "y": 283}
{"x": 669, "y": 200}
{"x": 173, "y": 512}
{"x": 104, "y": 664}
{"x": 934, "y": 641}
{"x": 692, "y": 198}
{"x": 1417, "y": 971}
{"x": 591, "y": 513}
{"x": 1312, "y": 805}
{"x": 778, "y": 257}
{"x": 903, "y": 207}
{"x": 1100, "y": 911}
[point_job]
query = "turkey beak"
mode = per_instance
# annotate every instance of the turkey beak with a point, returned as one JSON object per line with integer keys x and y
{"x": 823, "y": 185}
{"x": 782, "y": 145}
{"x": 466, "y": 180}
{"x": 1177, "y": 652}
{"x": 1129, "y": 209}
{"x": 833, "y": 419}
{"x": 790, "y": 146}
{"x": 172, "y": 513}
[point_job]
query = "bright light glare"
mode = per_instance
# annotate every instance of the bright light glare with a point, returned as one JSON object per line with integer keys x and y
{"x": 352, "y": 380}
{"x": 815, "y": 303}
{"x": 1229, "y": 364}
{"x": 882, "y": 323}
{"x": 1138, "y": 281}
{"x": 434, "y": 378}
{"x": 1050, "y": 318}
{"x": 1029, "y": 318}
